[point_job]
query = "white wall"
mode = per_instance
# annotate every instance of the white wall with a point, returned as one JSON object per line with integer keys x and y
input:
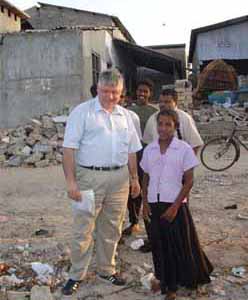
{"x": 226, "y": 43}
{"x": 8, "y": 23}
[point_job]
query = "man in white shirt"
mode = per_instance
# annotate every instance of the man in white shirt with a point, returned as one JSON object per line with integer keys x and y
{"x": 187, "y": 128}
{"x": 100, "y": 148}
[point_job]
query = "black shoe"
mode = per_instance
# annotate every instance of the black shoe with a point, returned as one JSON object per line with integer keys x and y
{"x": 147, "y": 247}
{"x": 114, "y": 279}
{"x": 70, "y": 287}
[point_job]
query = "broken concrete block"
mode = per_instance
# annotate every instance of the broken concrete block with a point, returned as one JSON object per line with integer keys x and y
{"x": 15, "y": 161}
{"x": 2, "y": 158}
{"x": 35, "y": 157}
{"x": 33, "y": 138}
{"x": 13, "y": 295}
{"x": 42, "y": 163}
{"x": 60, "y": 119}
{"x": 41, "y": 148}
{"x": 26, "y": 150}
{"x": 41, "y": 293}
{"x": 49, "y": 132}
{"x": 36, "y": 122}
{"x": 6, "y": 139}
{"x": 47, "y": 122}
{"x": 61, "y": 130}
{"x": 59, "y": 157}
{"x": 3, "y": 295}
{"x": 3, "y": 149}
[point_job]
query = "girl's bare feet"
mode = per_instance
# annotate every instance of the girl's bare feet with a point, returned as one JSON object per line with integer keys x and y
{"x": 155, "y": 285}
{"x": 171, "y": 295}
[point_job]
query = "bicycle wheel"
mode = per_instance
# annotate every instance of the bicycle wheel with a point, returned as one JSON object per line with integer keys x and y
{"x": 219, "y": 154}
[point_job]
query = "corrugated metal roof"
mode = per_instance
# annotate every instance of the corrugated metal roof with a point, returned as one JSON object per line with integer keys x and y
{"x": 196, "y": 31}
{"x": 168, "y": 46}
{"x": 146, "y": 57}
{"x": 14, "y": 9}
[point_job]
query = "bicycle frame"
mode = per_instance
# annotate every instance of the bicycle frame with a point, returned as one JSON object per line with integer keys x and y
{"x": 240, "y": 142}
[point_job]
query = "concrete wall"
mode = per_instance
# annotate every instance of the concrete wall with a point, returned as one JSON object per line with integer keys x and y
{"x": 228, "y": 43}
{"x": 39, "y": 72}
{"x": 101, "y": 43}
{"x": 9, "y": 23}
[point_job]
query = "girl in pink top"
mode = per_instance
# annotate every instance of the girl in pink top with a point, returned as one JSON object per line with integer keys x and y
{"x": 168, "y": 165}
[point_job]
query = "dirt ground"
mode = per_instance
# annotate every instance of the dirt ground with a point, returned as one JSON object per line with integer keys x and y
{"x": 34, "y": 199}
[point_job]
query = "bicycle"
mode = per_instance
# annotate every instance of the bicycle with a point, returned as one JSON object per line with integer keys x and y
{"x": 220, "y": 153}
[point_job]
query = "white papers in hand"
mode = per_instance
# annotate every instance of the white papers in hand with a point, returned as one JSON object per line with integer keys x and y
{"x": 87, "y": 202}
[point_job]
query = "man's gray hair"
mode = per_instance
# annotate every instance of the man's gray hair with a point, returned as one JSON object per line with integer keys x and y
{"x": 110, "y": 77}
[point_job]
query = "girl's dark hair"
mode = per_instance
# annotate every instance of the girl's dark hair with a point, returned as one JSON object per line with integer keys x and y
{"x": 169, "y": 113}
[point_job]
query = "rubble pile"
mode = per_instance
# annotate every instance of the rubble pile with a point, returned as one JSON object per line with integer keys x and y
{"x": 215, "y": 120}
{"x": 36, "y": 144}
{"x": 184, "y": 93}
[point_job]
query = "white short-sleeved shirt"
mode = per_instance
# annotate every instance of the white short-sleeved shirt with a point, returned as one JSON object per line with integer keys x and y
{"x": 136, "y": 123}
{"x": 166, "y": 170}
{"x": 187, "y": 127}
{"x": 103, "y": 139}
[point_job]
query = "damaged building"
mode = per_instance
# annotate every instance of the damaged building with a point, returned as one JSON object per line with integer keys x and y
{"x": 58, "y": 55}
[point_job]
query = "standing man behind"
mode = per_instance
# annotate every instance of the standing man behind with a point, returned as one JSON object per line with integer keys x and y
{"x": 144, "y": 110}
{"x": 100, "y": 148}
{"x": 187, "y": 129}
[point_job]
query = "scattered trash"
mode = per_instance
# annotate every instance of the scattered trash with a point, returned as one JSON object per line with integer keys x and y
{"x": 4, "y": 219}
{"x": 235, "y": 279}
{"x": 147, "y": 266}
{"x": 10, "y": 280}
{"x": 60, "y": 119}
{"x": 41, "y": 292}
{"x": 233, "y": 206}
{"x": 238, "y": 272}
{"x": 147, "y": 281}
{"x": 44, "y": 272}
{"x": 41, "y": 232}
{"x": 4, "y": 268}
{"x": 242, "y": 217}
{"x": 219, "y": 291}
{"x": 141, "y": 271}
{"x": 135, "y": 245}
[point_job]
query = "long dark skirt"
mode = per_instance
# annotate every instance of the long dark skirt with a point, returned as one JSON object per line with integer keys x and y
{"x": 177, "y": 255}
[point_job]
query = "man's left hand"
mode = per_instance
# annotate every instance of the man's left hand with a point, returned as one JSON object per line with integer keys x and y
{"x": 135, "y": 188}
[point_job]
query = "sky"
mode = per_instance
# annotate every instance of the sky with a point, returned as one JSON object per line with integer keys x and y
{"x": 157, "y": 22}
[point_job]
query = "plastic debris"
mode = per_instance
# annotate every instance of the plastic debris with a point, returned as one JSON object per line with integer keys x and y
{"x": 41, "y": 232}
{"x": 4, "y": 219}
{"x": 219, "y": 291}
{"x": 141, "y": 271}
{"x": 242, "y": 217}
{"x": 233, "y": 206}
{"x": 44, "y": 272}
{"x": 4, "y": 268}
{"x": 147, "y": 281}
{"x": 135, "y": 245}
{"x": 10, "y": 280}
{"x": 238, "y": 272}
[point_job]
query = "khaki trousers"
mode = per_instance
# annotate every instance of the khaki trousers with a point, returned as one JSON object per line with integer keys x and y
{"x": 111, "y": 194}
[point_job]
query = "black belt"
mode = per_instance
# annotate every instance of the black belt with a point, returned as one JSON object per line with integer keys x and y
{"x": 102, "y": 168}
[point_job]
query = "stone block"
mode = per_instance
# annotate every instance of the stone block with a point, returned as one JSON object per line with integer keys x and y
{"x": 41, "y": 293}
